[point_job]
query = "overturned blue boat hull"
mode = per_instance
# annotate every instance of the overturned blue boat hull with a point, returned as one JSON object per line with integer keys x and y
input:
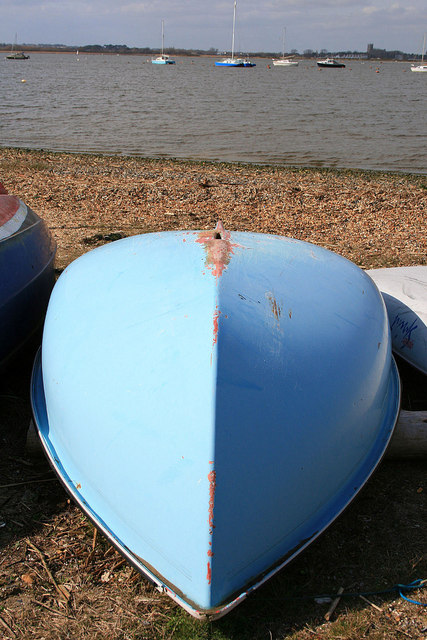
{"x": 213, "y": 401}
{"x": 27, "y": 276}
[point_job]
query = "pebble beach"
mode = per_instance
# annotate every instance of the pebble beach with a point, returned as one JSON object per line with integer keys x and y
{"x": 374, "y": 219}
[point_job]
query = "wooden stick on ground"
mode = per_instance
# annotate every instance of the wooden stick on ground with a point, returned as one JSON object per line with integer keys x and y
{"x": 334, "y": 605}
{"x": 6, "y": 626}
{"x": 62, "y": 591}
{"x": 371, "y": 603}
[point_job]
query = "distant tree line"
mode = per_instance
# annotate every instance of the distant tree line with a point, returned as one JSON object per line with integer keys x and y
{"x": 123, "y": 49}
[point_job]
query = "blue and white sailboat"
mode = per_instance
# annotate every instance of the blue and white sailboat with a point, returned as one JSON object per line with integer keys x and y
{"x": 234, "y": 62}
{"x": 163, "y": 58}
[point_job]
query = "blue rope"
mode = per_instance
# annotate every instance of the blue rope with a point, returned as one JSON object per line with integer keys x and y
{"x": 416, "y": 584}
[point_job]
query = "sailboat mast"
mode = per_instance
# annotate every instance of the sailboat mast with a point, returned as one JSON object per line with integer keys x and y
{"x": 163, "y": 35}
{"x": 234, "y": 25}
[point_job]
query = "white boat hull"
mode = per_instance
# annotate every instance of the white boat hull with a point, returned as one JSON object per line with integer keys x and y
{"x": 404, "y": 290}
{"x": 285, "y": 63}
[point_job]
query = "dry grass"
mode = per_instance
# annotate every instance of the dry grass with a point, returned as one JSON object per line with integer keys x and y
{"x": 374, "y": 219}
{"x": 58, "y": 579}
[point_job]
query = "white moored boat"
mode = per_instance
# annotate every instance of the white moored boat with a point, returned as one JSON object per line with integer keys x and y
{"x": 421, "y": 67}
{"x": 284, "y": 62}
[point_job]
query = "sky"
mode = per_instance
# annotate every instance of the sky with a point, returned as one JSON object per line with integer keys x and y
{"x": 333, "y": 25}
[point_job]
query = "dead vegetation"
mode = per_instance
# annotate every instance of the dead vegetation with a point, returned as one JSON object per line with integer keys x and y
{"x": 373, "y": 219}
{"x": 58, "y": 578}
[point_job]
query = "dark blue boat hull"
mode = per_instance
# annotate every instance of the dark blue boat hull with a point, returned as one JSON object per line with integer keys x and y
{"x": 26, "y": 280}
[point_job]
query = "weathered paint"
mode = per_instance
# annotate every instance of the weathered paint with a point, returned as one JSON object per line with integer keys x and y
{"x": 259, "y": 415}
{"x": 216, "y": 315}
{"x": 275, "y": 306}
{"x": 219, "y": 249}
{"x": 12, "y": 215}
{"x": 212, "y": 487}
{"x": 8, "y": 207}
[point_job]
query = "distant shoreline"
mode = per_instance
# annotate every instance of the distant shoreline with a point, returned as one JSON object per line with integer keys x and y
{"x": 205, "y": 55}
{"x": 270, "y": 55}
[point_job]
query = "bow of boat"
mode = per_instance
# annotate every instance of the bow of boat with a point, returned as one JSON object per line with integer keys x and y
{"x": 213, "y": 401}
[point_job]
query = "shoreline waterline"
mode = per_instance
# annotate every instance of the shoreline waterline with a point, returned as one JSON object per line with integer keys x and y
{"x": 374, "y": 218}
{"x": 366, "y": 116}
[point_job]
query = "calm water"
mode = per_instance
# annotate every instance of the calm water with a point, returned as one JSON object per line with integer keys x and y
{"x": 352, "y": 117}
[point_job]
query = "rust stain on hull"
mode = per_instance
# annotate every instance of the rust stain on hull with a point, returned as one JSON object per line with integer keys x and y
{"x": 212, "y": 487}
{"x": 219, "y": 250}
{"x": 217, "y": 313}
{"x": 218, "y": 247}
{"x": 274, "y": 305}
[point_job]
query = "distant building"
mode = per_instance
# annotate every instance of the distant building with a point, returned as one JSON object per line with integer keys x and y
{"x": 383, "y": 54}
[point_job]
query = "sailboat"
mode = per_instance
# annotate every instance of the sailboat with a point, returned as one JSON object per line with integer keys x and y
{"x": 421, "y": 67}
{"x": 163, "y": 58}
{"x": 234, "y": 62}
{"x": 284, "y": 62}
{"x": 16, "y": 55}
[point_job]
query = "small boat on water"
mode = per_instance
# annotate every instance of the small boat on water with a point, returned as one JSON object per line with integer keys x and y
{"x": 27, "y": 276}
{"x": 283, "y": 61}
{"x": 404, "y": 290}
{"x": 421, "y": 68}
{"x": 232, "y": 61}
{"x": 213, "y": 400}
{"x": 163, "y": 58}
{"x": 17, "y": 55}
{"x": 330, "y": 63}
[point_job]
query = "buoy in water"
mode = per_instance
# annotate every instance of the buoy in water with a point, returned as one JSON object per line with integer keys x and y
{"x": 23, "y": 80}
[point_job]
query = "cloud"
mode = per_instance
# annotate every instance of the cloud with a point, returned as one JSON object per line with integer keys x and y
{"x": 315, "y": 24}
{"x": 370, "y": 10}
